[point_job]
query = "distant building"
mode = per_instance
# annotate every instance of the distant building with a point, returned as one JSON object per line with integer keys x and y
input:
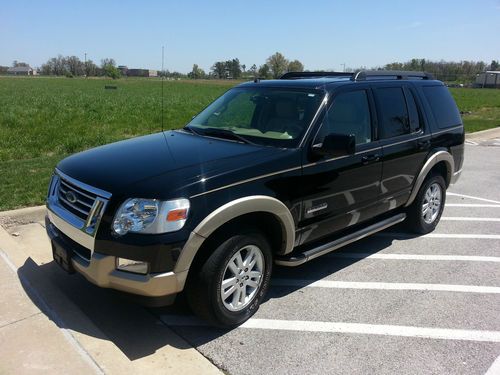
{"x": 142, "y": 73}
{"x": 22, "y": 71}
{"x": 490, "y": 79}
{"x": 123, "y": 69}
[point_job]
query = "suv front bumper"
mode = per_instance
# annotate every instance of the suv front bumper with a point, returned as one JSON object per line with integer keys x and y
{"x": 101, "y": 270}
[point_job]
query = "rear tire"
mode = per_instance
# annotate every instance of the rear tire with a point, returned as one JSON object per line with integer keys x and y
{"x": 227, "y": 289}
{"x": 425, "y": 211}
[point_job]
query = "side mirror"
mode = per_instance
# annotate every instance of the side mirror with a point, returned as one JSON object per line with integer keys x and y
{"x": 336, "y": 145}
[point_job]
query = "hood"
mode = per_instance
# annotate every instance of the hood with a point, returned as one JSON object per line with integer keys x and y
{"x": 173, "y": 161}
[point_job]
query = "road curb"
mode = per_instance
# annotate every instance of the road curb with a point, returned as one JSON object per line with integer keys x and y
{"x": 23, "y": 215}
{"x": 484, "y": 134}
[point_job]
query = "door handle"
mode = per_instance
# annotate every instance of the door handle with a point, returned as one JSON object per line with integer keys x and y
{"x": 370, "y": 159}
{"x": 423, "y": 145}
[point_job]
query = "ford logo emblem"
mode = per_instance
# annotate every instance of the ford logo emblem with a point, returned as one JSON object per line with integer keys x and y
{"x": 71, "y": 197}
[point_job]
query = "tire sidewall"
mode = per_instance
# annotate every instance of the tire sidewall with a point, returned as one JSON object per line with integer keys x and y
{"x": 224, "y": 253}
{"x": 426, "y": 227}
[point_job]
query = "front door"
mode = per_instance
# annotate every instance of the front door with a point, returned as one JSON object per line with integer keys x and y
{"x": 343, "y": 191}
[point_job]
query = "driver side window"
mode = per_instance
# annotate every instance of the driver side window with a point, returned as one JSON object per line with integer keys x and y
{"x": 348, "y": 114}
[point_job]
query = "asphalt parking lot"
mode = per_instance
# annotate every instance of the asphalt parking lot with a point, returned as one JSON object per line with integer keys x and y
{"x": 391, "y": 303}
{"x": 388, "y": 304}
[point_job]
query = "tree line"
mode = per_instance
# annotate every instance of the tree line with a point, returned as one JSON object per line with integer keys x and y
{"x": 72, "y": 66}
{"x": 462, "y": 71}
{"x": 274, "y": 67}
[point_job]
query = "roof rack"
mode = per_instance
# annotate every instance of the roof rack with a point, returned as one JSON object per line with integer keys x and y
{"x": 364, "y": 75}
{"x": 298, "y": 75}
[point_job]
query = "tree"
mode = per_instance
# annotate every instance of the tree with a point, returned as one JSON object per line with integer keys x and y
{"x": 253, "y": 70}
{"x": 234, "y": 68}
{"x": 264, "y": 71}
{"x": 74, "y": 66}
{"x": 109, "y": 69}
{"x": 107, "y": 62}
{"x": 16, "y": 64}
{"x": 295, "y": 66}
{"x": 90, "y": 68}
{"x": 278, "y": 64}
{"x": 196, "y": 72}
{"x": 495, "y": 65}
{"x": 219, "y": 69}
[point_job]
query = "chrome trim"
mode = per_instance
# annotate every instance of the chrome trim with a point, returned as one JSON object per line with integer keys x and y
{"x": 317, "y": 208}
{"x": 324, "y": 103}
{"x": 308, "y": 255}
{"x": 81, "y": 230}
{"x": 84, "y": 186}
{"x": 70, "y": 229}
{"x": 448, "y": 129}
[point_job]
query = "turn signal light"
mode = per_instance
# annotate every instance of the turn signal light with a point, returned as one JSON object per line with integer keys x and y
{"x": 177, "y": 214}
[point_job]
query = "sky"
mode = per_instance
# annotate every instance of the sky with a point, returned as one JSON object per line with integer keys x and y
{"x": 321, "y": 34}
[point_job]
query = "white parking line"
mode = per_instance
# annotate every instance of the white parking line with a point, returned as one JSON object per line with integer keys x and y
{"x": 494, "y": 368}
{"x": 385, "y": 286}
{"x": 472, "y": 205}
{"x": 472, "y": 197}
{"x": 466, "y": 258}
{"x": 460, "y": 218}
{"x": 356, "y": 328}
{"x": 440, "y": 235}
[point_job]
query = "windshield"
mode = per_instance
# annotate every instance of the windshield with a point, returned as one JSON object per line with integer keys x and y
{"x": 262, "y": 115}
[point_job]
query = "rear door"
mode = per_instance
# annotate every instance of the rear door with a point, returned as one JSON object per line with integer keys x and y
{"x": 404, "y": 139}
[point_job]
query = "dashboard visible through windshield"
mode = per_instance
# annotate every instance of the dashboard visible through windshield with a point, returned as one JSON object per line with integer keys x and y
{"x": 261, "y": 115}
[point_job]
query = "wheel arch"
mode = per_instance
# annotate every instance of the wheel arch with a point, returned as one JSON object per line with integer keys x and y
{"x": 231, "y": 212}
{"x": 441, "y": 161}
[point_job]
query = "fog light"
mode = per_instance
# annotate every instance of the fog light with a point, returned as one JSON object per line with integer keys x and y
{"x": 129, "y": 265}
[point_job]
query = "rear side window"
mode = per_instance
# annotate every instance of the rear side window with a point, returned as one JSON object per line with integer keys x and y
{"x": 393, "y": 112}
{"x": 443, "y": 106}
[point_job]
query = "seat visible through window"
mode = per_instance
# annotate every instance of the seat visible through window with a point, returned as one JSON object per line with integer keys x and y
{"x": 350, "y": 114}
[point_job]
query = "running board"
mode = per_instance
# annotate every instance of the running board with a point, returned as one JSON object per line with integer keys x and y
{"x": 306, "y": 256}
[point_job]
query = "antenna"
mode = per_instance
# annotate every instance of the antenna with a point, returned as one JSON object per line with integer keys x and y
{"x": 162, "y": 80}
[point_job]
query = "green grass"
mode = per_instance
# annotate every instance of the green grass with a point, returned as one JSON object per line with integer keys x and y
{"x": 42, "y": 120}
{"x": 484, "y": 105}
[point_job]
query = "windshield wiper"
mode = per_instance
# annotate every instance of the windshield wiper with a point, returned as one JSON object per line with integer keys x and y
{"x": 191, "y": 130}
{"x": 224, "y": 133}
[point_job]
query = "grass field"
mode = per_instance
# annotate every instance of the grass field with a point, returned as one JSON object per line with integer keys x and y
{"x": 44, "y": 119}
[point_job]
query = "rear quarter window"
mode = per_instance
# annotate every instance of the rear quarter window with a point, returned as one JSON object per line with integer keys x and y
{"x": 443, "y": 106}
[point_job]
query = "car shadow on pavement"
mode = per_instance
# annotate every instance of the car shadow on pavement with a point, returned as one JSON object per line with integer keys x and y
{"x": 75, "y": 304}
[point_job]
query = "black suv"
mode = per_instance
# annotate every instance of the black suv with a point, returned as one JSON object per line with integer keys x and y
{"x": 279, "y": 171}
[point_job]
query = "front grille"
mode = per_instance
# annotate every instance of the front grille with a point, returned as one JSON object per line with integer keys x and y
{"x": 75, "y": 199}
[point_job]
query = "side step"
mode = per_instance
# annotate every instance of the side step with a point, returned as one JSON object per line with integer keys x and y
{"x": 306, "y": 256}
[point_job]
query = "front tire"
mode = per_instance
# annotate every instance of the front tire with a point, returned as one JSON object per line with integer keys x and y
{"x": 425, "y": 212}
{"x": 230, "y": 285}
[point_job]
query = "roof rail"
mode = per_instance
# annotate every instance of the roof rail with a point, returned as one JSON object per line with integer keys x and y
{"x": 298, "y": 75}
{"x": 363, "y": 75}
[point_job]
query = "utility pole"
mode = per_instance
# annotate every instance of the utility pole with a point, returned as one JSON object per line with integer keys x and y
{"x": 85, "y": 64}
{"x": 343, "y": 67}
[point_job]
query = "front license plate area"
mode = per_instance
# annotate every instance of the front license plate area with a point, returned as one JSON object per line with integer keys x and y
{"x": 63, "y": 257}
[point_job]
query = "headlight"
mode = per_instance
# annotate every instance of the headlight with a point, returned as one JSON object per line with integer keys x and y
{"x": 138, "y": 215}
